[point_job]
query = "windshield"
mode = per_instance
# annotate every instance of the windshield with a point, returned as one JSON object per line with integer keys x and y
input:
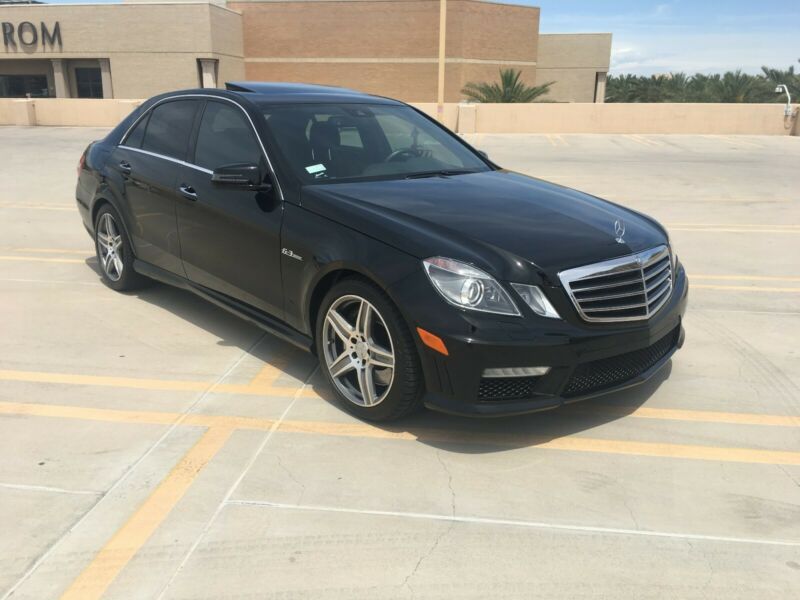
{"x": 346, "y": 142}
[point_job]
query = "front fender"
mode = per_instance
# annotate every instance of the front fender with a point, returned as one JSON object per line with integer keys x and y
{"x": 321, "y": 248}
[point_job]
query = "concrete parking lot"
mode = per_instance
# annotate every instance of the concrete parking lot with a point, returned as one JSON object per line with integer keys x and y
{"x": 151, "y": 445}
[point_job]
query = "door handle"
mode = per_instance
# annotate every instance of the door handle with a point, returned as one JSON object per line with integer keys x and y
{"x": 125, "y": 167}
{"x": 187, "y": 192}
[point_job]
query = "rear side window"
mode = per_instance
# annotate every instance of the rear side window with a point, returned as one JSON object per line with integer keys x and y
{"x": 225, "y": 137}
{"x": 136, "y": 136}
{"x": 169, "y": 128}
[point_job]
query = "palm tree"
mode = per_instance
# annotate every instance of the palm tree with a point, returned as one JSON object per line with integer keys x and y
{"x": 510, "y": 89}
{"x": 621, "y": 88}
{"x": 739, "y": 87}
{"x": 677, "y": 87}
{"x": 786, "y": 77}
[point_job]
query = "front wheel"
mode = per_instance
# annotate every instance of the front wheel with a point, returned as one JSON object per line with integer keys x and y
{"x": 367, "y": 353}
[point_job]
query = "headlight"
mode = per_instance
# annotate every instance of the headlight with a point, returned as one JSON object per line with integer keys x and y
{"x": 467, "y": 287}
{"x": 535, "y": 298}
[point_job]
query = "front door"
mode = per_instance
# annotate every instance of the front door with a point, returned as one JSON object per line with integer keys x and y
{"x": 230, "y": 236}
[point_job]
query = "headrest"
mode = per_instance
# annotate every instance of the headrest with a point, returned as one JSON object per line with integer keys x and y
{"x": 324, "y": 134}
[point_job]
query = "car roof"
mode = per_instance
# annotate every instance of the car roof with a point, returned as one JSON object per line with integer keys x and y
{"x": 288, "y": 93}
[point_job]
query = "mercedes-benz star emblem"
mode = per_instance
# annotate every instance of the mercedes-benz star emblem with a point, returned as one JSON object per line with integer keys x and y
{"x": 619, "y": 230}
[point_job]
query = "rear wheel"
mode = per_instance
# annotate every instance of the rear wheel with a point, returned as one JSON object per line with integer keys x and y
{"x": 114, "y": 252}
{"x": 367, "y": 352}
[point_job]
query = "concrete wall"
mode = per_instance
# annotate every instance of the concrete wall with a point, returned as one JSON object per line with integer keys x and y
{"x": 572, "y": 60}
{"x": 387, "y": 47}
{"x": 752, "y": 119}
{"x": 152, "y": 48}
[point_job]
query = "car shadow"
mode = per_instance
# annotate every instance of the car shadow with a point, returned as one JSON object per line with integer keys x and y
{"x": 470, "y": 435}
{"x": 230, "y": 330}
{"x": 466, "y": 435}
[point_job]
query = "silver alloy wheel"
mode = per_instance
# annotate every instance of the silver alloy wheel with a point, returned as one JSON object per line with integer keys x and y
{"x": 109, "y": 247}
{"x": 358, "y": 350}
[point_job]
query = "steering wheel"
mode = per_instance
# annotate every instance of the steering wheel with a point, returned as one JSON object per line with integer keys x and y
{"x": 403, "y": 152}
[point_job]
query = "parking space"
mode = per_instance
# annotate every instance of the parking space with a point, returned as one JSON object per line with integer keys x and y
{"x": 156, "y": 447}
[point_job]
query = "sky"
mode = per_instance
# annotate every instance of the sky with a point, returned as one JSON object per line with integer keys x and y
{"x": 707, "y": 36}
{"x": 704, "y": 36}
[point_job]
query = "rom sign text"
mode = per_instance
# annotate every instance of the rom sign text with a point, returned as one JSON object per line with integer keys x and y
{"x": 29, "y": 36}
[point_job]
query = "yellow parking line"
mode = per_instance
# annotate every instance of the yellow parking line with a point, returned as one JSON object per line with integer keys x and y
{"x": 363, "y": 430}
{"x": 54, "y": 251}
{"x": 88, "y": 414}
{"x": 694, "y": 276}
{"x": 737, "y": 140}
{"x": 43, "y": 259}
{"x": 647, "y": 140}
{"x": 641, "y": 141}
{"x": 267, "y": 376}
{"x": 746, "y": 288}
{"x": 736, "y": 225}
{"x": 127, "y": 541}
{"x": 550, "y": 139}
{"x": 37, "y": 207}
{"x": 173, "y": 385}
{"x": 701, "y": 416}
{"x": 732, "y": 230}
{"x": 235, "y": 422}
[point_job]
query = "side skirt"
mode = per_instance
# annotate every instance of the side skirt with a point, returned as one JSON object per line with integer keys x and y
{"x": 244, "y": 311}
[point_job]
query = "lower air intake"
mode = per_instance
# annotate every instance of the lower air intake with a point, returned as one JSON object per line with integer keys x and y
{"x": 610, "y": 372}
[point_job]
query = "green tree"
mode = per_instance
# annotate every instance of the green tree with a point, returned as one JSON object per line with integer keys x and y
{"x": 509, "y": 89}
{"x": 786, "y": 77}
{"x": 732, "y": 86}
{"x": 621, "y": 88}
{"x": 739, "y": 87}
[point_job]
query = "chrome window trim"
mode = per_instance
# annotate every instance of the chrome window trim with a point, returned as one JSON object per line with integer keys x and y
{"x": 188, "y": 164}
{"x": 631, "y": 263}
{"x": 165, "y": 157}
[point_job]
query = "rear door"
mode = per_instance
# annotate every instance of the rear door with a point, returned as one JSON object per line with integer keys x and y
{"x": 230, "y": 236}
{"x": 150, "y": 160}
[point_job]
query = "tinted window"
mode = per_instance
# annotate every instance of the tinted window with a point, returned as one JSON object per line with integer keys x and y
{"x": 169, "y": 128}
{"x": 135, "y": 137}
{"x": 225, "y": 137}
{"x": 357, "y": 141}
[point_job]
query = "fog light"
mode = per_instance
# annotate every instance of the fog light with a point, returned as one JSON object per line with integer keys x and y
{"x": 516, "y": 372}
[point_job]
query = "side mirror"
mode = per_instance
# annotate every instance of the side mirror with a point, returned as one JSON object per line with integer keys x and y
{"x": 248, "y": 175}
{"x": 483, "y": 154}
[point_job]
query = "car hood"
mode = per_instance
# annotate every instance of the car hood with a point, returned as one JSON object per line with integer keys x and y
{"x": 503, "y": 220}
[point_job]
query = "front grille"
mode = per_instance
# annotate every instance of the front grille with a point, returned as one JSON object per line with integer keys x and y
{"x": 498, "y": 389}
{"x": 630, "y": 288}
{"x": 610, "y": 372}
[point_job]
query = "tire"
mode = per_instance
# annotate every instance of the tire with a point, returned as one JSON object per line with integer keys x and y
{"x": 114, "y": 253}
{"x": 357, "y": 349}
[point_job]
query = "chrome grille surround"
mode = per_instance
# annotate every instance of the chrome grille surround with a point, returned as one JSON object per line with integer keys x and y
{"x": 629, "y": 288}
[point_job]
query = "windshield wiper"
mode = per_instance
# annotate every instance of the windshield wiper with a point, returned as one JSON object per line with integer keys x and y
{"x": 440, "y": 173}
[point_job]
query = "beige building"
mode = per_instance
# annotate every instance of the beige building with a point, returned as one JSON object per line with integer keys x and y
{"x": 577, "y": 63}
{"x": 389, "y": 47}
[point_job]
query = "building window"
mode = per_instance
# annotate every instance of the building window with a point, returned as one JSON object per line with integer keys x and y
{"x": 89, "y": 82}
{"x": 23, "y": 86}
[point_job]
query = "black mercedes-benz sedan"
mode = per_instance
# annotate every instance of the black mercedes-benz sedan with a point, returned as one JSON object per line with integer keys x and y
{"x": 360, "y": 229}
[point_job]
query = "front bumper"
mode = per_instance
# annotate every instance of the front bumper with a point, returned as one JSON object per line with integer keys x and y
{"x": 585, "y": 360}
